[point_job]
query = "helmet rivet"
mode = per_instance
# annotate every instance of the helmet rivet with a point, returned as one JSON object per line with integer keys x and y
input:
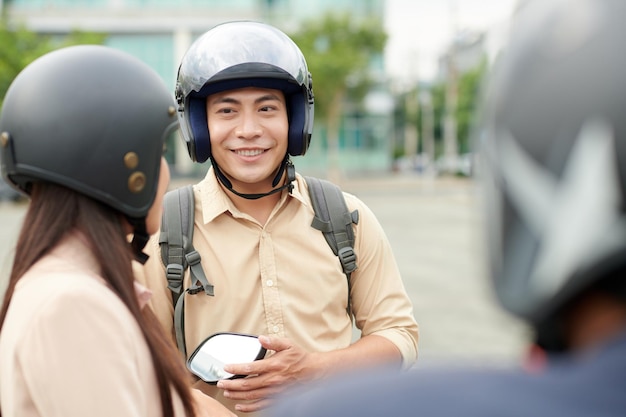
{"x": 171, "y": 110}
{"x": 131, "y": 160}
{"x": 136, "y": 182}
{"x": 4, "y": 139}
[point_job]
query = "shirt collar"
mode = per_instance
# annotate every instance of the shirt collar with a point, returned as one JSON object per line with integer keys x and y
{"x": 215, "y": 201}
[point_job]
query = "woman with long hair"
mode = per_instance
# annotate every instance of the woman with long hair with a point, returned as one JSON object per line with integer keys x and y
{"x": 82, "y": 132}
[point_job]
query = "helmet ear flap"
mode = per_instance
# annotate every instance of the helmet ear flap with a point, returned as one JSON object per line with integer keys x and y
{"x": 199, "y": 144}
{"x": 301, "y": 116}
{"x": 299, "y": 138}
{"x": 193, "y": 121}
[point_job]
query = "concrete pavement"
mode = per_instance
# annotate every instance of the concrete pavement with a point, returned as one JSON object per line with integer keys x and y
{"x": 434, "y": 228}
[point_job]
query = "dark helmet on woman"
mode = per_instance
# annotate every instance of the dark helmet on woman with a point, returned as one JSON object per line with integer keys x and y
{"x": 92, "y": 119}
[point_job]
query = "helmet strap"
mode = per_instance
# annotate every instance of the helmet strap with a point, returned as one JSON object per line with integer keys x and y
{"x": 285, "y": 165}
{"x": 140, "y": 238}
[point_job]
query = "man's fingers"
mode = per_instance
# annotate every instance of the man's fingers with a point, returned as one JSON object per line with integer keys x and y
{"x": 250, "y": 407}
{"x": 274, "y": 343}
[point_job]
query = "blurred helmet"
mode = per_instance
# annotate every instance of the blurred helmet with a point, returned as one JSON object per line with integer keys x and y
{"x": 92, "y": 119}
{"x": 236, "y": 55}
{"x": 554, "y": 155}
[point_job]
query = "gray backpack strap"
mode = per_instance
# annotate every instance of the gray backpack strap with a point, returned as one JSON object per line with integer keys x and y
{"x": 179, "y": 325}
{"x": 171, "y": 240}
{"x": 178, "y": 253}
{"x": 334, "y": 220}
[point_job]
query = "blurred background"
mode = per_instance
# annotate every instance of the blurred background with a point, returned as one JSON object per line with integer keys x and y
{"x": 396, "y": 87}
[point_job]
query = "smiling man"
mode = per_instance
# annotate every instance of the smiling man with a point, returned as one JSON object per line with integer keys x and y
{"x": 246, "y": 104}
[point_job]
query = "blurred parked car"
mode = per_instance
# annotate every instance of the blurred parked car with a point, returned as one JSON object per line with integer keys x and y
{"x": 463, "y": 165}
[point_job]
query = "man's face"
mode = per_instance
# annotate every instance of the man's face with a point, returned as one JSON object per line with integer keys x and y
{"x": 248, "y": 128}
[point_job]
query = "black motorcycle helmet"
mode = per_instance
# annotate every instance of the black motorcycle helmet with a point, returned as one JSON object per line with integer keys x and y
{"x": 554, "y": 159}
{"x": 92, "y": 119}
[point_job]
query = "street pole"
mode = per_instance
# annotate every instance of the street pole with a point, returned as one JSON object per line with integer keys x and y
{"x": 450, "y": 124}
{"x": 411, "y": 134}
{"x": 428, "y": 136}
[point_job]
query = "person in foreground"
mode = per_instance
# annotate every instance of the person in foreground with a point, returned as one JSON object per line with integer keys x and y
{"x": 82, "y": 132}
{"x": 553, "y": 141}
{"x": 246, "y": 101}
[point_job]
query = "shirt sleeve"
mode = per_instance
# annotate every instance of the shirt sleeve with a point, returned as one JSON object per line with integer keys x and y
{"x": 379, "y": 300}
{"x": 84, "y": 355}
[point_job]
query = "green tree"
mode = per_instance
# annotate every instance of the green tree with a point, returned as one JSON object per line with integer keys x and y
{"x": 338, "y": 49}
{"x": 469, "y": 93}
{"x": 19, "y": 47}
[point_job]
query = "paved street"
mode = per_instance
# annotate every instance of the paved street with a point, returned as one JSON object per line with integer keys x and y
{"x": 433, "y": 226}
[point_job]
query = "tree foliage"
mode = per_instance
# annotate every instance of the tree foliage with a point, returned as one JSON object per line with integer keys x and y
{"x": 468, "y": 97}
{"x": 19, "y": 47}
{"x": 469, "y": 92}
{"x": 338, "y": 50}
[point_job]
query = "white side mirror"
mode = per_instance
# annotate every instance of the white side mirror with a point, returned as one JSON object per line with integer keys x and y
{"x": 208, "y": 360}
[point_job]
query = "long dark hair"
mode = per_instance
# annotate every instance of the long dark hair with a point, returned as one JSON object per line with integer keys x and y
{"x": 53, "y": 212}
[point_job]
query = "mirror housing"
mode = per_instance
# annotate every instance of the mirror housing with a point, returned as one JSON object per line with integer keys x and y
{"x": 208, "y": 360}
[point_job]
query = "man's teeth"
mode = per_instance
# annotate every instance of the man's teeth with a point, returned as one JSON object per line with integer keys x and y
{"x": 247, "y": 152}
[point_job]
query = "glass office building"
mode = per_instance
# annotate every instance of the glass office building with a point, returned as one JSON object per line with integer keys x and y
{"x": 160, "y": 31}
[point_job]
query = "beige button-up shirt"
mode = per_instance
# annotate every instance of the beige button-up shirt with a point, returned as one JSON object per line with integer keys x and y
{"x": 70, "y": 347}
{"x": 283, "y": 279}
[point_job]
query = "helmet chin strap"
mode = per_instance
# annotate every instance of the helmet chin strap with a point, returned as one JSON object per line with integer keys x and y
{"x": 285, "y": 165}
{"x": 140, "y": 238}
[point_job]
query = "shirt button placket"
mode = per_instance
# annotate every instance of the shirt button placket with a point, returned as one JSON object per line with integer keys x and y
{"x": 271, "y": 295}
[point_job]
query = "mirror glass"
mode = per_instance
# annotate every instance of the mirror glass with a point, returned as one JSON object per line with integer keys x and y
{"x": 208, "y": 360}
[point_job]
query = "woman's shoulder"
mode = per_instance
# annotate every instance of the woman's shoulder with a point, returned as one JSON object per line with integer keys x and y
{"x": 53, "y": 290}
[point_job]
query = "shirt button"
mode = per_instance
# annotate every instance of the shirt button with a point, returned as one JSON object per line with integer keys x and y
{"x": 269, "y": 282}
{"x": 275, "y": 329}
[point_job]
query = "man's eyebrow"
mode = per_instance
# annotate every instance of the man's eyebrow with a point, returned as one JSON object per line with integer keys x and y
{"x": 224, "y": 99}
{"x": 232, "y": 100}
{"x": 267, "y": 97}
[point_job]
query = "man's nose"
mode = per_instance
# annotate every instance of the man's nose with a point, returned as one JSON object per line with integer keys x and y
{"x": 249, "y": 126}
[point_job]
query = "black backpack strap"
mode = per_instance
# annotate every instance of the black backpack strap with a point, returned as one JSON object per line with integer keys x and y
{"x": 334, "y": 220}
{"x": 178, "y": 253}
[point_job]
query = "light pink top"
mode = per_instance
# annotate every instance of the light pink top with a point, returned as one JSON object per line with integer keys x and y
{"x": 70, "y": 347}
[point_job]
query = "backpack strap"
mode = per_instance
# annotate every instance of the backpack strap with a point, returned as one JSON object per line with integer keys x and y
{"x": 178, "y": 253}
{"x": 334, "y": 220}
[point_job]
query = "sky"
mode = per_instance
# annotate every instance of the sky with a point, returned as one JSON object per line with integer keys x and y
{"x": 420, "y": 30}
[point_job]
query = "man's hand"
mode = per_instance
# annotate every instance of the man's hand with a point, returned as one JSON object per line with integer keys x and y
{"x": 268, "y": 377}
